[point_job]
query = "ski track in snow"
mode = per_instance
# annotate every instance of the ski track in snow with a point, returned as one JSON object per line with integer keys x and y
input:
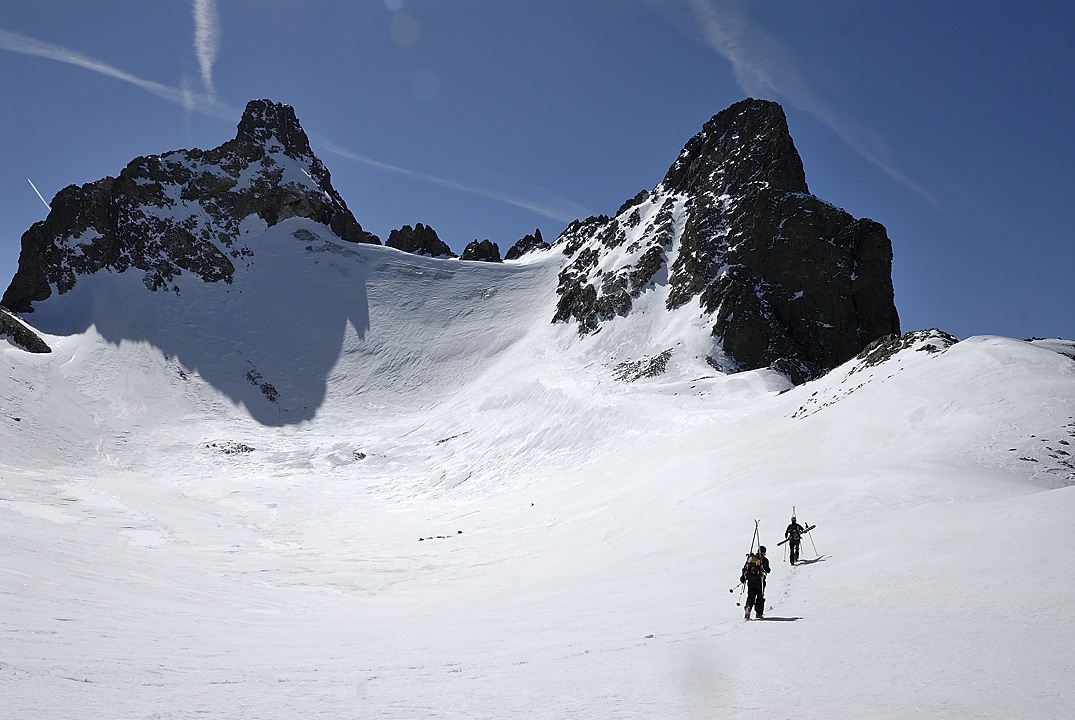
{"x": 454, "y": 509}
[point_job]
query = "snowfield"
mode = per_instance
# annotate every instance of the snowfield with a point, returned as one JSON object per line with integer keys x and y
{"x": 357, "y": 483}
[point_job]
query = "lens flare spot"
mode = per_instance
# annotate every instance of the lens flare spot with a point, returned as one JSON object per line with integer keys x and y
{"x": 405, "y": 30}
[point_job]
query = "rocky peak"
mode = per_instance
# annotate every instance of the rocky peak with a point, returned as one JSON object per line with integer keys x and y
{"x": 788, "y": 281}
{"x": 181, "y": 212}
{"x": 483, "y": 251}
{"x": 527, "y": 244}
{"x": 419, "y": 240}
{"x": 265, "y": 123}
{"x": 747, "y": 144}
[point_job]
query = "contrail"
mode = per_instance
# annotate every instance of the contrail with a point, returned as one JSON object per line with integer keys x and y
{"x": 764, "y": 68}
{"x": 558, "y": 209}
{"x": 14, "y": 42}
{"x": 39, "y": 193}
{"x": 206, "y": 41}
{"x": 566, "y": 212}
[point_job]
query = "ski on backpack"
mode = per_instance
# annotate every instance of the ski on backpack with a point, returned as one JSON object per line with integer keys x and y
{"x": 752, "y": 578}
{"x": 806, "y": 530}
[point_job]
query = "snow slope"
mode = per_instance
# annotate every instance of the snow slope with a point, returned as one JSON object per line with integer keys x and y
{"x": 359, "y": 483}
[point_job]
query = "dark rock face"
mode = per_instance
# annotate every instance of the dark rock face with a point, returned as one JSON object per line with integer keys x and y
{"x": 419, "y": 240}
{"x": 13, "y": 329}
{"x": 633, "y": 370}
{"x": 528, "y": 244}
{"x": 483, "y": 251}
{"x": 593, "y": 294}
{"x": 789, "y": 280}
{"x": 182, "y": 211}
{"x": 884, "y": 348}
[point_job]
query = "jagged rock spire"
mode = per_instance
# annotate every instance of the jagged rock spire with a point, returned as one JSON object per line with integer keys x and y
{"x": 481, "y": 251}
{"x": 419, "y": 240}
{"x": 529, "y": 243}
{"x": 264, "y": 121}
{"x": 747, "y": 144}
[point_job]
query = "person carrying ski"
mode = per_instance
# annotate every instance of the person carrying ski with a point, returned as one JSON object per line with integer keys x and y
{"x": 754, "y": 572}
{"x": 793, "y": 536}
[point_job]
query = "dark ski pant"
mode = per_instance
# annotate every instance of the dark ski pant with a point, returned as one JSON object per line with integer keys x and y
{"x": 755, "y": 596}
{"x": 794, "y": 545}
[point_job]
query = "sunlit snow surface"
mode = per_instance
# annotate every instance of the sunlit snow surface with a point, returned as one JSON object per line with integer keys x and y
{"x": 453, "y": 509}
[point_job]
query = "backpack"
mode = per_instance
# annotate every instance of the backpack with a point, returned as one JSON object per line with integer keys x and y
{"x": 753, "y": 568}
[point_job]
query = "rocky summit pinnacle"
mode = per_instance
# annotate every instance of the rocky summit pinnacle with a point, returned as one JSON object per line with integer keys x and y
{"x": 747, "y": 144}
{"x": 264, "y": 122}
{"x": 788, "y": 280}
{"x": 182, "y": 211}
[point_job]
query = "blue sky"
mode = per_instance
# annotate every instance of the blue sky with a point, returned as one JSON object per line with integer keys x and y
{"x": 950, "y": 123}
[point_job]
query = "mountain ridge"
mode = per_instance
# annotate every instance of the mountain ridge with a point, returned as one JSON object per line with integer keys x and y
{"x": 788, "y": 281}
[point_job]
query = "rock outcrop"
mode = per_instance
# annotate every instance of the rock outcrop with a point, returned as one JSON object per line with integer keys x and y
{"x": 789, "y": 280}
{"x": 181, "y": 211}
{"x": 419, "y": 240}
{"x": 13, "y": 329}
{"x": 484, "y": 251}
{"x": 884, "y": 348}
{"x": 528, "y": 244}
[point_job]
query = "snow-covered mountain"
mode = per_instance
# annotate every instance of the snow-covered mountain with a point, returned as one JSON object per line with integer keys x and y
{"x": 786, "y": 280}
{"x": 357, "y": 482}
{"x": 182, "y": 212}
{"x": 732, "y": 231}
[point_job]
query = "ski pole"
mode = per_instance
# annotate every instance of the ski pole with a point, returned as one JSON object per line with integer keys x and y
{"x": 814, "y": 546}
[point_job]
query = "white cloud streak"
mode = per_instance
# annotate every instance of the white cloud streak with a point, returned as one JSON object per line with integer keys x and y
{"x": 183, "y": 96}
{"x": 23, "y": 45}
{"x": 206, "y": 41}
{"x": 561, "y": 210}
{"x": 764, "y": 69}
{"x": 16, "y": 43}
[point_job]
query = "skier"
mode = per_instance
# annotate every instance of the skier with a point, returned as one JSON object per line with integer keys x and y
{"x": 792, "y": 536}
{"x": 754, "y": 572}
